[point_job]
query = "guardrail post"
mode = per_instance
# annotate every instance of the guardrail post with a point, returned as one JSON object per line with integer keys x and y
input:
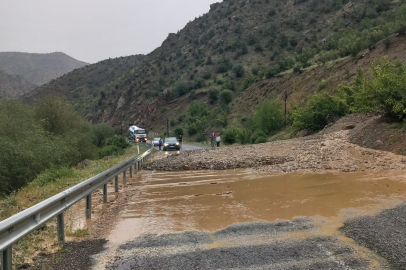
{"x": 105, "y": 193}
{"x": 7, "y": 259}
{"x": 124, "y": 179}
{"x": 131, "y": 171}
{"x": 61, "y": 229}
{"x": 135, "y": 167}
{"x": 116, "y": 184}
{"x": 89, "y": 206}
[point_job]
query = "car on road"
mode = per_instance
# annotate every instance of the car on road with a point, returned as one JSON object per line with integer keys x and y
{"x": 155, "y": 142}
{"x": 171, "y": 143}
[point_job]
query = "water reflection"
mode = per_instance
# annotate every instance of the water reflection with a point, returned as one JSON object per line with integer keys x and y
{"x": 213, "y": 200}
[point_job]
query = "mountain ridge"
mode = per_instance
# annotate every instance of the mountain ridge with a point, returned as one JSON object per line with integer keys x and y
{"x": 38, "y": 68}
{"x": 236, "y": 45}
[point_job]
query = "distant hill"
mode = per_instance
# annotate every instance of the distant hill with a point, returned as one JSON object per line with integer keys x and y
{"x": 87, "y": 83}
{"x": 38, "y": 68}
{"x": 12, "y": 86}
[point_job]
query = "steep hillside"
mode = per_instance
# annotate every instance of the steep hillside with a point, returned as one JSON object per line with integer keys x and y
{"x": 237, "y": 44}
{"x": 326, "y": 77}
{"x": 12, "y": 86}
{"x": 87, "y": 84}
{"x": 38, "y": 68}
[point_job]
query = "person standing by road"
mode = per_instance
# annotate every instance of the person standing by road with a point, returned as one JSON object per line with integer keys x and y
{"x": 212, "y": 138}
{"x": 160, "y": 144}
{"x": 218, "y": 139}
{"x": 180, "y": 139}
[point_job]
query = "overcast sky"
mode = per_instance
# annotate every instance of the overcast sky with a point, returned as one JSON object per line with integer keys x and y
{"x": 93, "y": 30}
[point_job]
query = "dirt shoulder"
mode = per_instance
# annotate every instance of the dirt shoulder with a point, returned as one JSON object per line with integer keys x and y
{"x": 329, "y": 150}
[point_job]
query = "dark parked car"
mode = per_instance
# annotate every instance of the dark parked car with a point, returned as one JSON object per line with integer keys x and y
{"x": 171, "y": 144}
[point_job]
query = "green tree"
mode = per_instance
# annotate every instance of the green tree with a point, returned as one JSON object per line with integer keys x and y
{"x": 269, "y": 117}
{"x": 101, "y": 133}
{"x": 224, "y": 65}
{"x": 318, "y": 112}
{"x": 197, "y": 109}
{"x": 384, "y": 92}
{"x": 226, "y": 96}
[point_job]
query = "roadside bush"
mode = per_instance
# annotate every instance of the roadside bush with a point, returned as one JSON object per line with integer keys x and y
{"x": 117, "y": 141}
{"x": 269, "y": 116}
{"x": 109, "y": 150}
{"x": 259, "y": 137}
{"x": 230, "y": 135}
{"x": 318, "y": 112}
{"x": 178, "y": 131}
{"x": 101, "y": 132}
{"x": 50, "y": 175}
{"x": 384, "y": 92}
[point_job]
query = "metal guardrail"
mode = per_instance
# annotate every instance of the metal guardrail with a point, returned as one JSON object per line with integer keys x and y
{"x": 21, "y": 224}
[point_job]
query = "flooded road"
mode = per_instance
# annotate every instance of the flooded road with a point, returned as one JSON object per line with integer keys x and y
{"x": 281, "y": 221}
{"x": 213, "y": 200}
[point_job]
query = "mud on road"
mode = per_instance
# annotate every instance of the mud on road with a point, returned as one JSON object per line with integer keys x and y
{"x": 330, "y": 150}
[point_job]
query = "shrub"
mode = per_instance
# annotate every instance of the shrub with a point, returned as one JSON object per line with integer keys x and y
{"x": 50, "y": 175}
{"x": 258, "y": 137}
{"x": 318, "y": 112}
{"x": 269, "y": 117}
{"x": 197, "y": 109}
{"x": 109, "y": 150}
{"x": 226, "y": 96}
{"x": 207, "y": 76}
{"x": 385, "y": 92}
{"x": 213, "y": 95}
{"x": 178, "y": 131}
{"x": 101, "y": 132}
{"x": 118, "y": 141}
{"x": 224, "y": 65}
{"x": 239, "y": 71}
{"x": 230, "y": 135}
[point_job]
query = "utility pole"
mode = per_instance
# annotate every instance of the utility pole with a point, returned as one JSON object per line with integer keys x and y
{"x": 167, "y": 126}
{"x": 285, "y": 98}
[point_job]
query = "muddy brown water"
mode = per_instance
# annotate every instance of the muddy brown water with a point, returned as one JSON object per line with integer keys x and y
{"x": 212, "y": 200}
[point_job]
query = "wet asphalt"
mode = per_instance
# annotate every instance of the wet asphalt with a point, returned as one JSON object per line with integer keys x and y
{"x": 242, "y": 246}
{"x": 384, "y": 234}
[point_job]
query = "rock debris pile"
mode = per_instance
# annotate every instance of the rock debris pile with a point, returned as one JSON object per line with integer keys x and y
{"x": 321, "y": 152}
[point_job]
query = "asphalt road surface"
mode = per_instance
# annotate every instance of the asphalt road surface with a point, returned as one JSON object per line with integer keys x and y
{"x": 241, "y": 246}
{"x": 188, "y": 147}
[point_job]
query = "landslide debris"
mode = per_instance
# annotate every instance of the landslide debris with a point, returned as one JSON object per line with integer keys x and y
{"x": 329, "y": 150}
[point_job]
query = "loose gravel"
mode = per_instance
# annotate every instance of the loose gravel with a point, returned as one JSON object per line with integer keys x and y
{"x": 75, "y": 255}
{"x": 241, "y": 246}
{"x": 318, "y": 153}
{"x": 385, "y": 234}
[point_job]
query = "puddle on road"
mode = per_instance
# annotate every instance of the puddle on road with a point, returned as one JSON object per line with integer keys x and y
{"x": 213, "y": 200}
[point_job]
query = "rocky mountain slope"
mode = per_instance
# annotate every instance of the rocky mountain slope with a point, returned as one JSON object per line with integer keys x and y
{"x": 38, "y": 68}
{"x": 11, "y": 86}
{"x": 241, "y": 45}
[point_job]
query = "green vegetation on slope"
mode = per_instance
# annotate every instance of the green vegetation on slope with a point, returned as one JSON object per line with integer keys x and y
{"x": 42, "y": 188}
{"x": 230, "y": 48}
{"x": 47, "y": 137}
